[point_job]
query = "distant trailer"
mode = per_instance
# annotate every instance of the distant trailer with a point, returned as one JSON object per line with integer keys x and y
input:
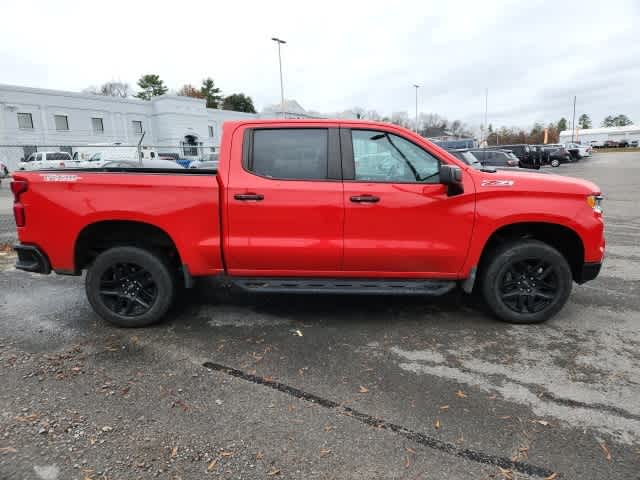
{"x": 598, "y": 136}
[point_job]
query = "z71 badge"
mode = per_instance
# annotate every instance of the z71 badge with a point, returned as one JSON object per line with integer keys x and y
{"x": 497, "y": 183}
{"x": 54, "y": 177}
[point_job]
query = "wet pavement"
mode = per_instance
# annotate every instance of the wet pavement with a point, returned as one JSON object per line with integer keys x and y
{"x": 242, "y": 386}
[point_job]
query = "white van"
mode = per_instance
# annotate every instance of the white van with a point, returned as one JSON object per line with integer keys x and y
{"x": 39, "y": 160}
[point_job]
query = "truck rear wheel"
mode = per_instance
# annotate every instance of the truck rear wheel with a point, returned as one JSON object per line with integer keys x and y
{"x": 130, "y": 286}
{"x": 526, "y": 282}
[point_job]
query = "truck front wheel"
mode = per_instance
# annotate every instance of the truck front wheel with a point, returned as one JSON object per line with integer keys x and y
{"x": 526, "y": 282}
{"x": 130, "y": 286}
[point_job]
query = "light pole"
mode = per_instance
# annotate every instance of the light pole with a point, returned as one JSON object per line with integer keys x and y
{"x": 416, "y": 87}
{"x": 280, "y": 42}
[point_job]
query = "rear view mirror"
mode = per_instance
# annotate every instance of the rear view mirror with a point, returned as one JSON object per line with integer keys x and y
{"x": 451, "y": 176}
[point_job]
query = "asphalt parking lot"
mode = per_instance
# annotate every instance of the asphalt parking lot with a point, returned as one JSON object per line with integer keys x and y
{"x": 239, "y": 386}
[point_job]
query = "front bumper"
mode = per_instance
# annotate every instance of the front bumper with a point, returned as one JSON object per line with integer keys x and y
{"x": 588, "y": 272}
{"x": 32, "y": 259}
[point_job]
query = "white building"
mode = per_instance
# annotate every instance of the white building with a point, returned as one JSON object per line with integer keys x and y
{"x": 34, "y": 118}
{"x": 600, "y": 135}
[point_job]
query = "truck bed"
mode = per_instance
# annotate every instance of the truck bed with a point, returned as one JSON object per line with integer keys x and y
{"x": 183, "y": 203}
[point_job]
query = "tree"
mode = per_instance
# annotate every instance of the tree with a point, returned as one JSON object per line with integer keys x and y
{"x": 621, "y": 120}
{"x": 210, "y": 93}
{"x": 189, "y": 90}
{"x": 112, "y": 89}
{"x": 150, "y": 86}
{"x": 562, "y": 124}
{"x": 401, "y": 119}
{"x": 239, "y": 102}
{"x": 608, "y": 121}
{"x": 584, "y": 121}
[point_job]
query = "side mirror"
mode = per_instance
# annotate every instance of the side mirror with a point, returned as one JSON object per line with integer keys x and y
{"x": 451, "y": 176}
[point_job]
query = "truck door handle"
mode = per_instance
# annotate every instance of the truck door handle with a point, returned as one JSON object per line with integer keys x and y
{"x": 365, "y": 199}
{"x": 248, "y": 196}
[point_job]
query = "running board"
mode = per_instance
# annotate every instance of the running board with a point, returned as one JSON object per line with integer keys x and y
{"x": 343, "y": 286}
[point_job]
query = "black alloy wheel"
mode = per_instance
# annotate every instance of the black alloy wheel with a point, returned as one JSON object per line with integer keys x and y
{"x": 128, "y": 289}
{"x": 525, "y": 281}
{"x": 131, "y": 286}
{"x": 529, "y": 286}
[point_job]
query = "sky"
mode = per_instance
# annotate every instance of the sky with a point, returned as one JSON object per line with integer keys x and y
{"x": 532, "y": 56}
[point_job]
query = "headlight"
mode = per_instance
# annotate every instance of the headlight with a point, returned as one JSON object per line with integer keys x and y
{"x": 595, "y": 202}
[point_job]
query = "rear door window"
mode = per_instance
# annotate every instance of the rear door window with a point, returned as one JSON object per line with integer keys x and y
{"x": 290, "y": 153}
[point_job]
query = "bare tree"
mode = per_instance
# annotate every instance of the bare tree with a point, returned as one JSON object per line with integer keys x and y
{"x": 401, "y": 119}
{"x": 113, "y": 88}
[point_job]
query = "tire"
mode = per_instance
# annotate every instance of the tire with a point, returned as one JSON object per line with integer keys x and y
{"x": 555, "y": 163}
{"x": 130, "y": 287}
{"x": 526, "y": 281}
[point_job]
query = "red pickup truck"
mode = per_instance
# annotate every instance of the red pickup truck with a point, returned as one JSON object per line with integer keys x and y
{"x": 313, "y": 206}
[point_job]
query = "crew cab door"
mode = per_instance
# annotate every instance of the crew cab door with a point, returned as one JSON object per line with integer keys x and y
{"x": 399, "y": 220}
{"x": 284, "y": 202}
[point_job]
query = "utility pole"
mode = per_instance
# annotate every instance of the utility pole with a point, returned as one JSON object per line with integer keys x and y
{"x": 280, "y": 42}
{"x": 486, "y": 107}
{"x": 573, "y": 122}
{"x": 416, "y": 87}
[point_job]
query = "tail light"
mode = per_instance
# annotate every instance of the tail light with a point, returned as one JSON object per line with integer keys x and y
{"x": 62, "y": 164}
{"x": 511, "y": 162}
{"x": 18, "y": 187}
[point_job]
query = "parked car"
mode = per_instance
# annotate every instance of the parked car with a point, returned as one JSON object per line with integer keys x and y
{"x": 556, "y": 154}
{"x": 41, "y": 160}
{"x": 578, "y": 151}
{"x": 523, "y": 152}
{"x": 467, "y": 157}
{"x": 611, "y": 144}
{"x": 597, "y": 143}
{"x": 623, "y": 143}
{"x": 289, "y": 210}
{"x": 496, "y": 158}
{"x": 633, "y": 143}
{"x": 210, "y": 161}
{"x": 4, "y": 171}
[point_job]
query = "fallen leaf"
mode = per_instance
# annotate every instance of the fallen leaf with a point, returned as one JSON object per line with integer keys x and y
{"x": 544, "y": 423}
{"x": 259, "y": 456}
{"x": 410, "y": 450}
{"x": 407, "y": 462}
{"x": 324, "y": 452}
{"x": 76, "y": 369}
{"x": 328, "y": 428}
{"x": 438, "y": 424}
{"x": 274, "y": 471}
{"x": 212, "y": 465}
{"x": 553, "y": 476}
{"x": 297, "y": 332}
{"x": 27, "y": 418}
{"x": 506, "y": 473}
{"x": 226, "y": 454}
{"x": 363, "y": 389}
{"x": 505, "y": 417}
{"x": 174, "y": 452}
{"x": 605, "y": 449}
{"x": 8, "y": 450}
{"x": 106, "y": 429}
{"x": 444, "y": 407}
{"x": 461, "y": 394}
